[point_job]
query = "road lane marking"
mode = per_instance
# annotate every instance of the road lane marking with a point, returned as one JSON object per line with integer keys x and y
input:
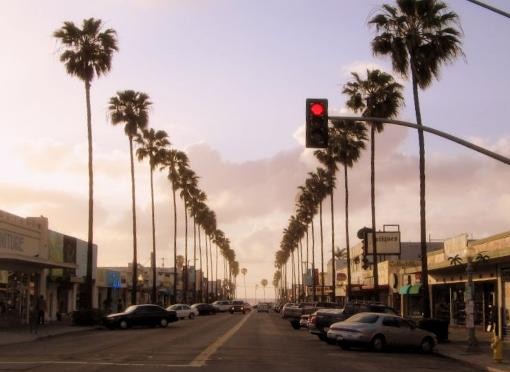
{"x": 203, "y": 357}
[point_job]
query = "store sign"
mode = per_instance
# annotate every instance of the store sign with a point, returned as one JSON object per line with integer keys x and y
{"x": 456, "y": 246}
{"x": 17, "y": 243}
{"x": 388, "y": 242}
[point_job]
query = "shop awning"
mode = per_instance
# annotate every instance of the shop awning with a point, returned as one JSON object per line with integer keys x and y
{"x": 415, "y": 289}
{"x": 404, "y": 289}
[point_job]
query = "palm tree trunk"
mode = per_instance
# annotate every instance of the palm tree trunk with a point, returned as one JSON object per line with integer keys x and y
{"x": 194, "y": 260}
{"x": 201, "y": 267}
{"x": 372, "y": 199}
{"x": 300, "y": 269}
{"x": 153, "y": 261}
{"x": 314, "y": 288}
{"x": 185, "y": 272}
{"x": 333, "y": 276}
{"x": 207, "y": 269}
{"x": 216, "y": 282}
{"x": 133, "y": 206}
{"x": 322, "y": 252}
{"x": 89, "y": 303}
{"x": 293, "y": 280}
{"x": 348, "y": 249}
{"x": 175, "y": 244}
{"x": 423, "y": 220}
{"x": 212, "y": 270}
{"x": 307, "y": 260}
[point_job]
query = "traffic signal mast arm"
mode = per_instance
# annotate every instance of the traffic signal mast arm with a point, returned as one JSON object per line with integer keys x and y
{"x": 439, "y": 133}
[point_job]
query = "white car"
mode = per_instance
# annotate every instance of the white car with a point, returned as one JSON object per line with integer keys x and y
{"x": 222, "y": 305}
{"x": 184, "y": 311}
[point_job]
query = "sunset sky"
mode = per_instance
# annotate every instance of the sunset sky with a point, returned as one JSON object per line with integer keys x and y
{"x": 228, "y": 81}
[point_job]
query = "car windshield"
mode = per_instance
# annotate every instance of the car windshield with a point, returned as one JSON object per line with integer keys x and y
{"x": 237, "y": 303}
{"x": 131, "y": 308}
{"x": 363, "y": 318}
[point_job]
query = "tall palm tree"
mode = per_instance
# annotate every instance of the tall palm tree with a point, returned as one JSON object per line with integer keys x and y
{"x": 188, "y": 182}
{"x": 131, "y": 109}
{"x": 152, "y": 145}
{"x": 263, "y": 282}
{"x": 329, "y": 159}
{"x": 175, "y": 161}
{"x": 378, "y": 95}
{"x": 349, "y": 141}
{"x": 419, "y": 36}
{"x": 244, "y": 271}
{"x": 87, "y": 53}
{"x": 197, "y": 201}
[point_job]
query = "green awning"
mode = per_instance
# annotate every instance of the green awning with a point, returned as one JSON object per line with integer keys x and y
{"x": 404, "y": 289}
{"x": 415, "y": 289}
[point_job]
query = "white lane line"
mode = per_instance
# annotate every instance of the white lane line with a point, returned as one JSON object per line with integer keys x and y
{"x": 61, "y": 362}
{"x": 203, "y": 357}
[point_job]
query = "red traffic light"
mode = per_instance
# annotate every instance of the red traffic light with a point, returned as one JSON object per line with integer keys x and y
{"x": 317, "y": 109}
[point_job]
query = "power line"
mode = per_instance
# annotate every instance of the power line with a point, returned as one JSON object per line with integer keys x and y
{"x": 486, "y": 6}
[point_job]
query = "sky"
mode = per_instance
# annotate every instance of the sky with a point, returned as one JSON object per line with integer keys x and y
{"x": 228, "y": 81}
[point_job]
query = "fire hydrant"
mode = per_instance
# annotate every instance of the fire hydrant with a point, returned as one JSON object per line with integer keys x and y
{"x": 497, "y": 349}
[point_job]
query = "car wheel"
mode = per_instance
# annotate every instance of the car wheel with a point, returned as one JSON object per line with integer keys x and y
{"x": 322, "y": 337}
{"x": 344, "y": 346}
{"x": 191, "y": 316}
{"x": 378, "y": 343}
{"x": 427, "y": 345}
{"x": 124, "y": 324}
{"x": 295, "y": 325}
{"x": 163, "y": 323}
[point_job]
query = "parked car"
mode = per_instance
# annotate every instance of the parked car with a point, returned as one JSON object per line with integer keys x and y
{"x": 140, "y": 315}
{"x": 263, "y": 307}
{"x": 204, "y": 309}
{"x": 237, "y": 307}
{"x": 222, "y": 305}
{"x": 183, "y": 311}
{"x": 293, "y": 313}
{"x": 323, "y": 318}
{"x": 285, "y": 308}
{"x": 247, "y": 306}
{"x": 378, "y": 331}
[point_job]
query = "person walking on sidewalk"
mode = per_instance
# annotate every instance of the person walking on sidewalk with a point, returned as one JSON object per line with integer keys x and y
{"x": 34, "y": 319}
{"x": 41, "y": 306}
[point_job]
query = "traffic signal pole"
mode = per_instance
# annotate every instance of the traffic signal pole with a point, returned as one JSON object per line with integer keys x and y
{"x": 439, "y": 133}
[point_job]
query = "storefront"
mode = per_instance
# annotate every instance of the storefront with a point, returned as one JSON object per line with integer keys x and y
{"x": 24, "y": 263}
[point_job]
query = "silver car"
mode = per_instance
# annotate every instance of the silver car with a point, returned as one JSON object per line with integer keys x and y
{"x": 380, "y": 330}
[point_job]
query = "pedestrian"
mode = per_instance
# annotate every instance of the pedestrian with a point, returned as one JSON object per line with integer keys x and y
{"x": 33, "y": 318}
{"x": 41, "y": 306}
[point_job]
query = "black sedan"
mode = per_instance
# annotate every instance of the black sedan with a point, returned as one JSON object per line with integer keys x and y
{"x": 140, "y": 315}
{"x": 204, "y": 309}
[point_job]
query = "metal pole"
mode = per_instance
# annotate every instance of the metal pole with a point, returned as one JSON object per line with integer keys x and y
{"x": 470, "y": 307}
{"x": 439, "y": 133}
{"x": 486, "y": 6}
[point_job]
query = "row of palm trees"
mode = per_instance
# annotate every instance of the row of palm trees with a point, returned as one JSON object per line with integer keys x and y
{"x": 419, "y": 36}
{"x": 87, "y": 53}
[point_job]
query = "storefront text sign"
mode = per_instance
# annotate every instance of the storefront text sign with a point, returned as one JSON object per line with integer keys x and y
{"x": 17, "y": 243}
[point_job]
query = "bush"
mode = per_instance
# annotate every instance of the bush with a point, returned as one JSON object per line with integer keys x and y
{"x": 88, "y": 317}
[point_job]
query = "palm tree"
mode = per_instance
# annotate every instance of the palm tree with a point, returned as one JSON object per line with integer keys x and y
{"x": 263, "y": 282}
{"x": 378, "y": 95}
{"x": 175, "y": 161}
{"x": 152, "y": 144}
{"x": 328, "y": 158}
{"x": 199, "y": 197}
{"x": 131, "y": 109}
{"x": 244, "y": 271}
{"x": 87, "y": 53}
{"x": 349, "y": 140}
{"x": 419, "y": 36}
{"x": 188, "y": 182}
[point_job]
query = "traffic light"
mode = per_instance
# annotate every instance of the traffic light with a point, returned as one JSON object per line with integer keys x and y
{"x": 363, "y": 235}
{"x": 317, "y": 123}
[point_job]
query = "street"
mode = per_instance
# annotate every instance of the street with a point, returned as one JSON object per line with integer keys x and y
{"x": 224, "y": 342}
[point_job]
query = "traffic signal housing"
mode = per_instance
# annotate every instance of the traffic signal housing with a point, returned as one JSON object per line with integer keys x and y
{"x": 317, "y": 123}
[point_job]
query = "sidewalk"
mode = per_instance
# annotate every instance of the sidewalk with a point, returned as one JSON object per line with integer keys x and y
{"x": 18, "y": 334}
{"x": 456, "y": 348}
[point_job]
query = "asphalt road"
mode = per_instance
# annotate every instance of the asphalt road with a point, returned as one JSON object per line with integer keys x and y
{"x": 220, "y": 343}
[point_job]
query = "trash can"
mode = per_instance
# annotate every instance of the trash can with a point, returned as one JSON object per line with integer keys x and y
{"x": 437, "y": 326}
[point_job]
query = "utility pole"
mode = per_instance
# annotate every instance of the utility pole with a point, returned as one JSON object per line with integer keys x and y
{"x": 494, "y": 9}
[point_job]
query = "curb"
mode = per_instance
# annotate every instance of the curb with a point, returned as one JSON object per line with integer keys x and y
{"x": 467, "y": 363}
{"x": 34, "y": 338}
